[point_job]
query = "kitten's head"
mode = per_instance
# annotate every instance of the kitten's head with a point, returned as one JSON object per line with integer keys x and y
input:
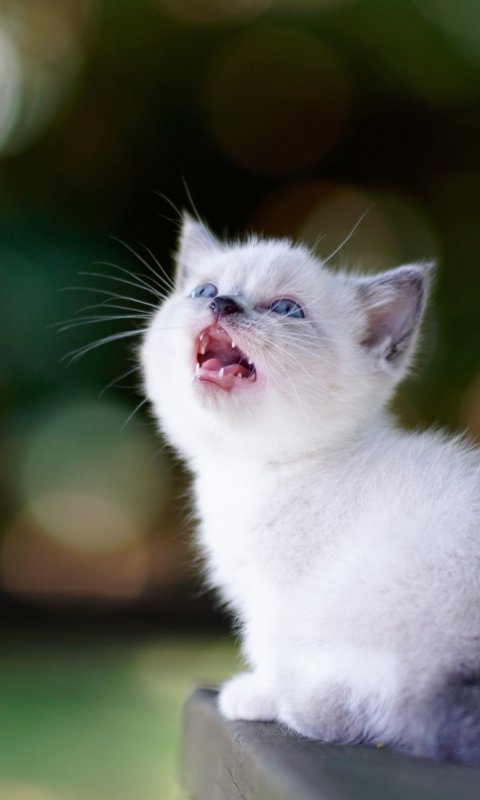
{"x": 260, "y": 349}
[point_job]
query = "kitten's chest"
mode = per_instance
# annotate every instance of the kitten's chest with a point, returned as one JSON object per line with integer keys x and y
{"x": 268, "y": 521}
{"x": 229, "y": 498}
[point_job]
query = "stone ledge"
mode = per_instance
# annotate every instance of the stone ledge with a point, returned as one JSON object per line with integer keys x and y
{"x": 260, "y": 761}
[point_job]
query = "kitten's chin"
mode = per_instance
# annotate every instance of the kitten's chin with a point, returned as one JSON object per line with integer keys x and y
{"x": 227, "y": 382}
{"x": 219, "y": 386}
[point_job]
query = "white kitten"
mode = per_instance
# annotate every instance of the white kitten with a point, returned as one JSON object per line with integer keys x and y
{"x": 348, "y": 549}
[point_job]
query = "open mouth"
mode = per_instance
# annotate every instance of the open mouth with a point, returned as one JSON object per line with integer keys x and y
{"x": 220, "y": 361}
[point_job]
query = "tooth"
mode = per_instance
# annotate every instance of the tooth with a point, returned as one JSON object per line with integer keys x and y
{"x": 201, "y": 335}
{"x": 202, "y": 348}
{"x": 233, "y": 343}
{"x": 221, "y": 373}
{"x": 197, "y": 368}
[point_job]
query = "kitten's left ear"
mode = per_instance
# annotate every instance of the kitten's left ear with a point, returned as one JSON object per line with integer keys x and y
{"x": 196, "y": 242}
{"x": 394, "y": 302}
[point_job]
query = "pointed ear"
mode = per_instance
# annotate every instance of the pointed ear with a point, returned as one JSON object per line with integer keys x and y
{"x": 394, "y": 302}
{"x": 195, "y": 242}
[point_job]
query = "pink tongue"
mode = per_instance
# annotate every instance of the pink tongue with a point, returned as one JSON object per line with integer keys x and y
{"x": 213, "y": 364}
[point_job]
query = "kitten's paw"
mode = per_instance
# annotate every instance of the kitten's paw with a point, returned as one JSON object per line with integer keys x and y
{"x": 247, "y": 697}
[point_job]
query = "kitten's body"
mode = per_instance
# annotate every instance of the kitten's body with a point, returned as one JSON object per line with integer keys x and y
{"x": 348, "y": 549}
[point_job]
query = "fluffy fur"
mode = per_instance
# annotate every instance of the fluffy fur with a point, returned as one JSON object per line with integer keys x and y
{"x": 348, "y": 549}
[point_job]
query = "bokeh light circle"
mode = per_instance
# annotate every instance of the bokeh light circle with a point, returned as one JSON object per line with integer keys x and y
{"x": 89, "y": 493}
{"x": 390, "y": 228}
{"x": 82, "y": 448}
{"x": 33, "y": 564}
{"x": 87, "y": 522}
{"x": 11, "y": 86}
{"x": 277, "y": 102}
{"x": 42, "y": 50}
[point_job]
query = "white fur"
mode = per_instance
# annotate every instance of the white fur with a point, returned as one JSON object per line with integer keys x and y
{"x": 348, "y": 549}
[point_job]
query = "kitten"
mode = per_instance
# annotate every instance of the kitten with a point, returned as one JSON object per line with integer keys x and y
{"x": 348, "y": 549}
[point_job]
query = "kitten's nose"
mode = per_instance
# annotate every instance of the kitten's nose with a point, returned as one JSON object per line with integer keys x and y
{"x": 223, "y": 305}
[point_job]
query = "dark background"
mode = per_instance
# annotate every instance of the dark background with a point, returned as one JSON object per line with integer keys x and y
{"x": 288, "y": 117}
{"x": 293, "y": 118}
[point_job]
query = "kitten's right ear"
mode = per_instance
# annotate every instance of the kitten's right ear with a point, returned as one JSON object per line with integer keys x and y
{"x": 195, "y": 242}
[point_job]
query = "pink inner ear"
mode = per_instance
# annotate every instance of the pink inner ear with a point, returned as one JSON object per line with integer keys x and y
{"x": 394, "y": 303}
{"x": 392, "y": 321}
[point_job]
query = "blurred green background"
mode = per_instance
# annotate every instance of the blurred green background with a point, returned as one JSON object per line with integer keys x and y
{"x": 287, "y": 117}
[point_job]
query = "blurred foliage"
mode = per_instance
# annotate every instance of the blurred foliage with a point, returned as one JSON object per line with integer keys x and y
{"x": 98, "y": 718}
{"x": 291, "y": 117}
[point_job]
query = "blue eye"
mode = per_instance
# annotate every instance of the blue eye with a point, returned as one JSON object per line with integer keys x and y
{"x": 205, "y": 290}
{"x": 287, "y": 308}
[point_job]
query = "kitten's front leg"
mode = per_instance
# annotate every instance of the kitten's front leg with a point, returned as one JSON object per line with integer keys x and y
{"x": 248, "y": 696}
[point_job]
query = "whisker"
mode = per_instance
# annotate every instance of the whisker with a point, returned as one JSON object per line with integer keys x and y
{"x": 325, "y": 260}
{"x": 190, "y": 199}
{"x": 143, "y": 286}
{"x": 141, "y": 279}
{"x": 288, "y": 357}
{"x": 199, "y": 219}
{"x": 91, "y": 320}
{"x": 291, "y": 344}
{"x": 141, "y": 403}
{"x": 109, "y": 304}
{"x": 120, "y": 378}
{"x": 170, "y": 202}
{"x": 312, "y": 250}
{"x": 137, "y": 255}
{"x": 112, "y": 295}
{"x": 284, "y": 372}
{"x": 74, "y": 355}
{"x": 167, "y": 280}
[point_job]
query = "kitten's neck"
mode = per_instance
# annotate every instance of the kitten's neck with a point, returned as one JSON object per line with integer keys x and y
{"x": 249, "y": 457}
